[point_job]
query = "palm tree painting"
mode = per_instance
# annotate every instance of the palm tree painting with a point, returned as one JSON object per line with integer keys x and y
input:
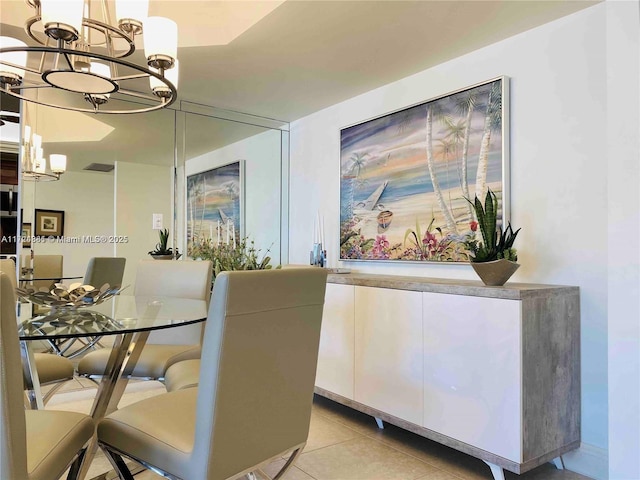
{"x": 405, "y": 176}
{"x": 214, "y": 205}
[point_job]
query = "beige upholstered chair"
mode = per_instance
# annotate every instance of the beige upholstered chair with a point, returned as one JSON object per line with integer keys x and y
{"x": 49, "y": 266}
{"x": 103, "y": 270}
{"x": 186, "y": 279}
{"x": 254, "y": 400}
{"x": 52, "y": 369}
{"x": 34, "y": 444}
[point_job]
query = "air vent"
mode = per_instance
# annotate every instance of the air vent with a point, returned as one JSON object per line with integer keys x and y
{"x": 99, "y": 167}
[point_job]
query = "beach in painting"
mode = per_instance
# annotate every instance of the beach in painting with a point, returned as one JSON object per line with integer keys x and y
{"x": 411, "y": 171}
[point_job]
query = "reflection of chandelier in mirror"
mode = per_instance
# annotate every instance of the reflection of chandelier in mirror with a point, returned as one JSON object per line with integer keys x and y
{"x": 34, "y": 165}
{"x": 79, "y": 58}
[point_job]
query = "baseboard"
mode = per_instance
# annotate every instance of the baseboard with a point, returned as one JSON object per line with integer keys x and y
{"x": 588, "y": 460}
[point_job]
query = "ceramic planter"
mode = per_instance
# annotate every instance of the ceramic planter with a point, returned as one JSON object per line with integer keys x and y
{"x": 495, "y": 273}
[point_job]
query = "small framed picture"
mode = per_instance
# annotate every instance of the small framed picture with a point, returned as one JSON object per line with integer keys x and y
{"x": 26, "y": 235}
{"x": 49, "y": 223}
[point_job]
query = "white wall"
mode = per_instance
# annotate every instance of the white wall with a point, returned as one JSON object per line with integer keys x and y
{"x": 261, "y": 154}
{"x": 141, "y": 190}
{"x": 623, "y": 231}
{"x": 87, "y": 201}
{"x": 558, "y": 178}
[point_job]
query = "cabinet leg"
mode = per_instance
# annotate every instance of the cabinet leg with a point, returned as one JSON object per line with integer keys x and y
{"x": 496, "y": 471}
{"x": 558, "y": 462}
{"x": 380, "y": 423}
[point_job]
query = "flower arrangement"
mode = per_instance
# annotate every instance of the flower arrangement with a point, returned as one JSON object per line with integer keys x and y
{"x": 495, "y": 244}
{"x": 242, "y": 255}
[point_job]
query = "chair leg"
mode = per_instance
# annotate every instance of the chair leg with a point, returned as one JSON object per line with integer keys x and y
{"x": 289, "y": 463}
{"x": 118, "y": 463}
{"x": 54, "y": 388}
{"x": 74, "y": 470}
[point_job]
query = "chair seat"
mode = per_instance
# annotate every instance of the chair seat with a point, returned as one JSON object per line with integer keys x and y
{"x": 52, "y": 438}
{"x": 159, "y": 430}
{"x": 53, "y": 368}
{"x": 182, "y": 375}
{"x": 153, "y": 362}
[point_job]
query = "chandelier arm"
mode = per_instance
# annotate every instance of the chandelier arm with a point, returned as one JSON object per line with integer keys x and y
{"x": 130, "y": 77}
{"x": 69, "y": 62}
{"x": 28, "y": 87}
{"x": 9, "y": 64}
{"x": 133, "y": 93}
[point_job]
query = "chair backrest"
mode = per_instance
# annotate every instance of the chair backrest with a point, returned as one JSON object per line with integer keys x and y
{"x": 13, "y": 437}
{"x": 8, "y": 266}
{"x": 103, "y": 270}
{"x": 258, "y": 368}
{"x": 171, "y": 278}
{"x": 49, "y": 266}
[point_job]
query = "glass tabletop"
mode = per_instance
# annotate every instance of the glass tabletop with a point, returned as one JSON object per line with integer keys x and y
{"x": 31, "y": 278}
{"x": 123, "y": 314}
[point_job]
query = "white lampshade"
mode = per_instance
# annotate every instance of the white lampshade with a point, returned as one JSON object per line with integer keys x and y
{"x": 68, "y": 12}
{"x": 100, "y": 69}
{"x": 58, "y": 163}
{"x": 27, "y": 134}
{"x": 37, "y": 141}
{"x": 160, "y": 37}
{"x": 40, "y": 163}
{"x": 132, "y": 10}
{"x": 171, "y": 75}
{"x": 17, "y": 58}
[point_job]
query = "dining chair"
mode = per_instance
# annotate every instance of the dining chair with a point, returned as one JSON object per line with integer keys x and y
{"x": 253, "y": 402}
{"x": 52, "y": 369}
{"x": 101, "y": 270}
{"x": 185, "y": 279}
{"x": 34, "y": 444}
{"x": 49, "y": 266}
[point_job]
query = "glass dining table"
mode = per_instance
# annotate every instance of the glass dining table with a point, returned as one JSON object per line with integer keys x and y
{"x": 128, "y": 319}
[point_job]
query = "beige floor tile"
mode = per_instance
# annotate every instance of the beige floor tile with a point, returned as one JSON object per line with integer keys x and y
{"x": 358, "y": 421}
{"x": 294, "y": 472}
{"x": 361, "y": 459}
{"x": 324, "y": 432}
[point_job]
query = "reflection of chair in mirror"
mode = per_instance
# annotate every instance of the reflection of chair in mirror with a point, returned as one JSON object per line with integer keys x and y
{"x": 51, "y": 368}
{"x": 185, "y": 279}
{"x": 34, "y": 444}
{"x": 103, "y": 270}
{"x": 253, "y": 404}
{"x": 46, "y": 266}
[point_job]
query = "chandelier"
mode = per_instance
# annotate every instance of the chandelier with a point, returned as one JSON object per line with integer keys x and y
{"x": 78, "y": 63}
{"x": 34, "y": 165}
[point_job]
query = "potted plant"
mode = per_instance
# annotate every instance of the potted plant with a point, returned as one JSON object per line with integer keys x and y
{"x": 161, "y": 251}
{"x": 230, "y": 256}
{"x": 494, "y": 259}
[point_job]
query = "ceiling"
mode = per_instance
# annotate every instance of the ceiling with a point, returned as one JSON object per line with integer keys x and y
{"x": 287, "y": 59}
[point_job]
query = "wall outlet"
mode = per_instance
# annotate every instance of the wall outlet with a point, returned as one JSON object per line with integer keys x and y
{"x": 157, "y": 221}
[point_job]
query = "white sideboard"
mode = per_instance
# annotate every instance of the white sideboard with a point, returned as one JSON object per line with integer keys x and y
{"x": 491, "y": 371}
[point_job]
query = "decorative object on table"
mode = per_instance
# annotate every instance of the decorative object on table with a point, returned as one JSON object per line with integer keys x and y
{"x": 318, "y": 256}
{"x": 63, "y": 297}
{"x": 26, "y": 235}
{"x": 162, "y": 252}
{"x": 49, "y": 223}
{"x": 494, "y": 259}
{"x": 215, "y": 205}
{"x": 415, "y": 167}
{"x": 229, "y": 256}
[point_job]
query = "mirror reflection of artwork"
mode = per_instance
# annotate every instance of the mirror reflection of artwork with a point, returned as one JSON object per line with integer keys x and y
{"x": 214, "y": 207}
{"x": 26, "y": 235}
{"x": 405, "y": 176}
{"x": 49, "y": 223}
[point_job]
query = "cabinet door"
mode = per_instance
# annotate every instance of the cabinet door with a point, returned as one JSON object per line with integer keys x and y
{"x": 388, "y": 361}
{"x": 335, "y": 359}
{"x": 472, "y": 371}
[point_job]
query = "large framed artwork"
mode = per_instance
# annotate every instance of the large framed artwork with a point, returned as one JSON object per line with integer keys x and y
{"x": 49, "y": 223}
{"x": 215, "y": 207}
{"x": 405, "y": 176}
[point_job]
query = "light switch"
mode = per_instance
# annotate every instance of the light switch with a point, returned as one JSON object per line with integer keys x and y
{"x": 157, "y": 221}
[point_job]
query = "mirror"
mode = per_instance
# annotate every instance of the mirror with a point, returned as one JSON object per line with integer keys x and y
{"x": 111, "y": 213}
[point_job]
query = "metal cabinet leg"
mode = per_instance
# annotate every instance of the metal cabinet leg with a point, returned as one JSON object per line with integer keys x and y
{"x": 558, "y": 462}
{"x": 496, "y": 471}
{"x": 380, "y": 423}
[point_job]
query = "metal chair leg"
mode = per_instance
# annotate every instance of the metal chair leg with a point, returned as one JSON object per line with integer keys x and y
{"x": 118, "y": 463}
{"x": 289, "y": 463}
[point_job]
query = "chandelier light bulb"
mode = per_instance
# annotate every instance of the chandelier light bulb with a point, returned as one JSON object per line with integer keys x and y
{"x": 9, "y": 74}
{"x": 58, "y": 163}
{"x": 62, "y": 19}
{"x": 160, "y": 42}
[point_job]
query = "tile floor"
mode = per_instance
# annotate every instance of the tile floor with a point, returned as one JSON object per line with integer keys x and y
{"x": 343, "y": 445}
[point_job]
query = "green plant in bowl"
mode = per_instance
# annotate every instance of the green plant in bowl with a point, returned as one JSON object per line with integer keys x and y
{"x": 161, "y": 250}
